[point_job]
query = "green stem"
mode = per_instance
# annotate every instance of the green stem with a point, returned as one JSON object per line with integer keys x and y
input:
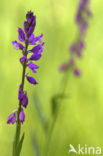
{"x": 65, "y": 80}
{"x": 18, "y": 125}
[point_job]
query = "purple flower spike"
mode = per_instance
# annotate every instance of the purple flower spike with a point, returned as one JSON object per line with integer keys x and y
{"x": 23, "y": 59}
{"x": 22, "y": 117}
{"x": 77, "y": 72}
{"x": 20, "y": 95}
{"x": 24, "y": 101}
{"x": 17, "y": 45}
{"x": 28, "y": 38}
{"x": 33, "y": 67}
{"x": 31, "y": 80}
{"x": 21, "y": 35}
{"x": 11, "y": 119}
{"x": 82, "y": 16}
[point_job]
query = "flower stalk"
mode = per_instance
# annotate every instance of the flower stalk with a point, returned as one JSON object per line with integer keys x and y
{"x": 27, "y": 37}
{"x": 82, "y": 16}
{"x": 18, "y": 125}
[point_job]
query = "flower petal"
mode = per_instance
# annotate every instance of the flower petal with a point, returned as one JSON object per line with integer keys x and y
{"x": 81, "y": 45}
{"x": 31, "y": 80}
{"x": 21, "y": 35}
{"x": 17, "y": 45}
{"x": 24, "y": 101}
{"x": 63, "y": 67}
{"x": 33, "y": 40}
{"x": 77, "y": 72}
{"x": 73, "y": 47}
{"x": 35, "y": 57}
{"x": 20, "y": 94}
{"x": 33, "y": 66}
{"x": 83, "y": 28}
{"x": 22, "y": 117}
{"x": 11, "y": 119}
{"x": 38, "y": 48}
{"x": 26, "y": 26}
{"x": 30, "y": 31}
{"x": 23, "y": 59}
{"x": 82, "y": 4}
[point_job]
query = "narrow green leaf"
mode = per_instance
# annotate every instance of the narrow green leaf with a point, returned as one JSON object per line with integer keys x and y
{"x": 56, "y": 99}
{"x": 35, "y": 145}
{"x": 20, "y": 145}
{"x": 16, "y": 140}
{"x": 43, "y": 120}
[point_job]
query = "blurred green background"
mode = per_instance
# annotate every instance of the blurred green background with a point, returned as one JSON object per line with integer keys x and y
{"x": 80, "y": 119}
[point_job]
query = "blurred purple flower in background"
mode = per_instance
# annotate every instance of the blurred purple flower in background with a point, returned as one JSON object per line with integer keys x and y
{"x": 82, "y": 16}
{"x": 27, "y": 37}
